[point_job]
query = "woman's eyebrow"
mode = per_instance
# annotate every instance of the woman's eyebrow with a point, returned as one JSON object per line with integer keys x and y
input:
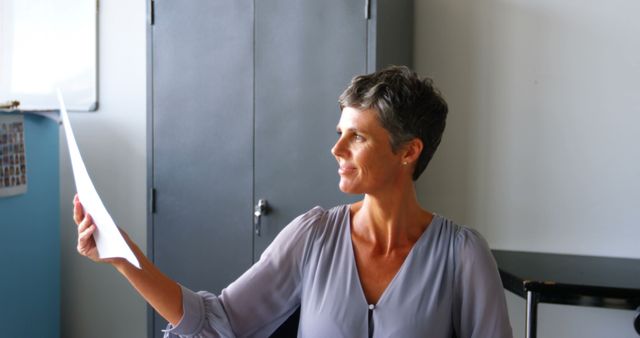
{"x": 348, "y": 129}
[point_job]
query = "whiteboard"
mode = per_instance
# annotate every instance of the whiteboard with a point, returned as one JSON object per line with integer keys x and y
{"x": 45, "y": 45}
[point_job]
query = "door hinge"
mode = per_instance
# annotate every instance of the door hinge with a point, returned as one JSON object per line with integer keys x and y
{"x": 152, "y": 13}
{"x": 152, "y": 198}
{"x": 367, "y": 9}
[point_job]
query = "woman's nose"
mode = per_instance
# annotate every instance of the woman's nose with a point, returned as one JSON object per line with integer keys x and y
{"x": 338, "y": 148}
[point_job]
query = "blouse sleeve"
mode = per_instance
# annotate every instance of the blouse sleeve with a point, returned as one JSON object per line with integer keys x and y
{"x": 262, "y": 298}
{"x": 480, "y": 308}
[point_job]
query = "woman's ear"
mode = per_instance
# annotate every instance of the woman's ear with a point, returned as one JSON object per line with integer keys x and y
{"x": 412, "y": 151}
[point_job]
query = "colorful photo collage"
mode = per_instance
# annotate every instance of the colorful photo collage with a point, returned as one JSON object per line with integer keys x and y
{"x": 13, "y": 163}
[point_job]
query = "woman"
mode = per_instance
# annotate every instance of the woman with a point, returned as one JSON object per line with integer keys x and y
{"x": 382, "y": 267}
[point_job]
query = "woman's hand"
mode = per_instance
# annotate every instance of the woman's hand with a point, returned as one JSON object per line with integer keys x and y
{"x": 86, "y": 228}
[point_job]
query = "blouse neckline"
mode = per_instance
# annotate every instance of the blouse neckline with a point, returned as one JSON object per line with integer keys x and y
{"x": 407, "y": 261}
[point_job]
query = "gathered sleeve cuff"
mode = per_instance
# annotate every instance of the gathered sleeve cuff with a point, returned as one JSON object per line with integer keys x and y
{"x": 203, "y": 316}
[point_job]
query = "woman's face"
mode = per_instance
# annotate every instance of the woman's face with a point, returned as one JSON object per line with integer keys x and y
{"x": 367, "y": 164}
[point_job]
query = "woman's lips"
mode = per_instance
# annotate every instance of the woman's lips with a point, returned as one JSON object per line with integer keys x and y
{"x": 346, "y": 169}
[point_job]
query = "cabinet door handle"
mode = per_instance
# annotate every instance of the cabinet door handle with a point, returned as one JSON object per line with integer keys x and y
{"x": 367, "y": 9}
{"x": 260, "y": 209}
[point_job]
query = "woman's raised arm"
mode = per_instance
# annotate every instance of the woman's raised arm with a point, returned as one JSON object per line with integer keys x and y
{"x": 162, "y": 293}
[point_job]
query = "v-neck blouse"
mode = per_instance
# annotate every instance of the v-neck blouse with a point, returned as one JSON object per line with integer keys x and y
{"x": 448, "y": 286}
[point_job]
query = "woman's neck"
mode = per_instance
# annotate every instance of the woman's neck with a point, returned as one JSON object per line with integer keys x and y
{"x": 391, "y": 220}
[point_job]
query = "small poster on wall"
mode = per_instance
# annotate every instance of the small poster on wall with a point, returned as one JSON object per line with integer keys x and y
{"x": 13, "y": 161}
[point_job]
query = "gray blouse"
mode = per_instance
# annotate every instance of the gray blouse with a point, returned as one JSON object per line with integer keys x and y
{"x": 448, "y": 286}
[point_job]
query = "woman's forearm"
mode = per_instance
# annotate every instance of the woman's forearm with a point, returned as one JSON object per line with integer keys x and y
{"x": 162, "y": 293}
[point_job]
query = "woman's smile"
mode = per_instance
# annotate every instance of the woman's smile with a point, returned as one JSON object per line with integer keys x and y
{"x": 346, "y": 169}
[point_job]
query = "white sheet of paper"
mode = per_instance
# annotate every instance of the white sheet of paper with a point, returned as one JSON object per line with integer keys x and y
{"x": 109, "y": 241}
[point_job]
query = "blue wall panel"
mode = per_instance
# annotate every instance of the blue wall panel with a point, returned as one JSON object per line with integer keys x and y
{"x": 30, "y": 241}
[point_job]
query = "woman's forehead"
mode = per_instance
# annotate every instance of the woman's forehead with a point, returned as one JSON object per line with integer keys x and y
{"x": 356, "y": 118}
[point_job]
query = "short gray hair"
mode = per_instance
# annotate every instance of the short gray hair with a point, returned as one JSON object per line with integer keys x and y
{"x": 406, "y": 105}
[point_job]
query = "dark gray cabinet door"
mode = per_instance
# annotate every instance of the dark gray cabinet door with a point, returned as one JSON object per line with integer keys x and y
{"x": 244, "y": 106}
{"x": 306, "y": 52}
{"x": 202, "y": 124}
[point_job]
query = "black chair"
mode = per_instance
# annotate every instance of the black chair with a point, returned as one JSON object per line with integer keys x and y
{"x": 636, "y": 322}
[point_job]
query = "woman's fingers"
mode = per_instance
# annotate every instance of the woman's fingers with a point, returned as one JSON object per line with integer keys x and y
{"x": 86, "y": 228}
{"x": 78, "y": 210}
{"x": 85, "y": 241}
{"x": 85, "y": 223}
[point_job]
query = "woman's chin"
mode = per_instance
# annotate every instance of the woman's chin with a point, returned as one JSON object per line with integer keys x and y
{"x": 348, "y": 188}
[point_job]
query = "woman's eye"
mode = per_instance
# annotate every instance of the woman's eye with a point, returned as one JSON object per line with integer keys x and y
{"x": 354, "y": 136}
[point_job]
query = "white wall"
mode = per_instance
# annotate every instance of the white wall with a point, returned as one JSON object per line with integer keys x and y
{"x": 541, "y": 148}
{"x": 96, "y": 301}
